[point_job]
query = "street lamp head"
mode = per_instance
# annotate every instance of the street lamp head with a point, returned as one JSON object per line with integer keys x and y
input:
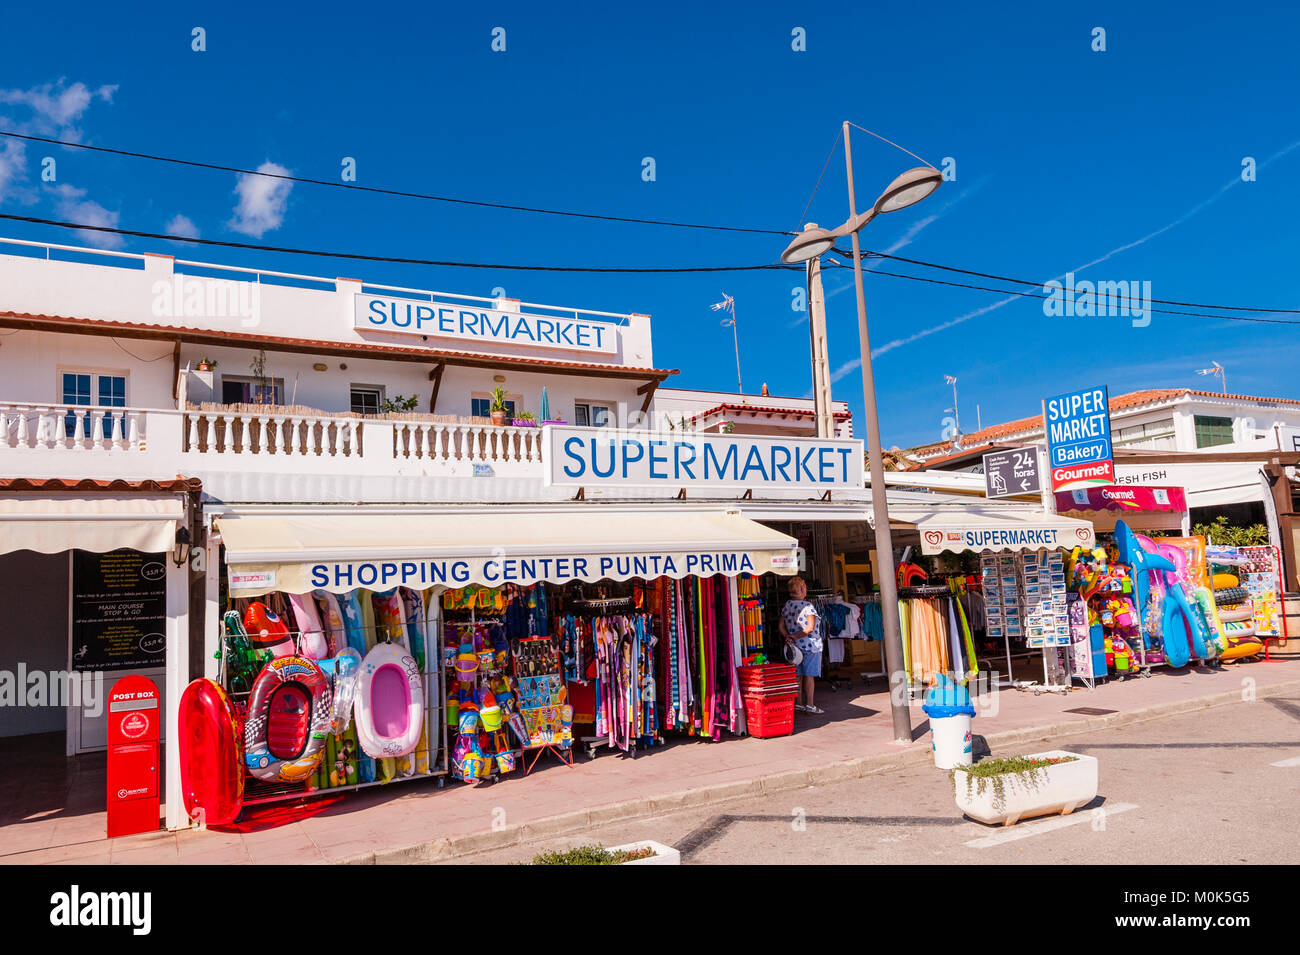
{"x": 808, "y": 244}
{"x": 909, "y": 188}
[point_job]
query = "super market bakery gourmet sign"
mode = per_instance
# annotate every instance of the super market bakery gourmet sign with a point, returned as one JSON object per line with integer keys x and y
{"x": 466, "y": 323}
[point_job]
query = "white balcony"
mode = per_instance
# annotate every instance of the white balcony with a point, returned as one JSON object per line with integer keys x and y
{"x": 75, "y": 441}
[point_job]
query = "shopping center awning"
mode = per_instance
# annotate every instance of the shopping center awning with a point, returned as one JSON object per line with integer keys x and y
{"x": 50, "y": 524}
{"x": 976, "y": 529}
{"x": 298, "y": 553}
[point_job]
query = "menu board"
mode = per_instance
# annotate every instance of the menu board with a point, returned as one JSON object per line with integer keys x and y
{"x": 119, "y": 610}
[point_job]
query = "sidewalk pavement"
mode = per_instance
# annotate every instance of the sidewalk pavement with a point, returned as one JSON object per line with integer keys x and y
{"x": 421, "y": 822}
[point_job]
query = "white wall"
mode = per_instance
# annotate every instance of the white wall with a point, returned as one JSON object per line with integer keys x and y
{"x": 31, "y": 362}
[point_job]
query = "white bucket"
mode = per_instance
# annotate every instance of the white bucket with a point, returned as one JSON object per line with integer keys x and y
{"x": 950, "y": 740}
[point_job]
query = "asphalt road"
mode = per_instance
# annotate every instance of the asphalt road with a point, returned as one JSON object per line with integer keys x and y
{"x": 1194, "y": 788}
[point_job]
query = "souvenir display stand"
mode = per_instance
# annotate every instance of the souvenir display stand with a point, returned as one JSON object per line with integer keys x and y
{"x": 1025, "y": 601}
{"x": 332, "y": 693}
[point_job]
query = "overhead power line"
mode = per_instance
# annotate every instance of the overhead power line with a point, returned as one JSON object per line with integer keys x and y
{"x": 219, "y": 167}
{"x": 1012, "y": 281}
{"x": 400, "y": 260}
{"x": 357, "y": 256}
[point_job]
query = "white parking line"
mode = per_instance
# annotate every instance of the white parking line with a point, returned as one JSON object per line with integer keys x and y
{"x": 1027, "y": 829}
{"x": 1293, "y": 761}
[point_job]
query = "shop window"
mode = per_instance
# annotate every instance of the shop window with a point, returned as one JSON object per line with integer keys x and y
{"x": 1212, "y": 431}
{"x": 237, "y": 390}
{"x": 481, "y": 407}
{"x": 588, "y": 415}
{"x": 1153, "y": 435}
{"x": 366, "y": 400}
{"x": 91, "y": 389}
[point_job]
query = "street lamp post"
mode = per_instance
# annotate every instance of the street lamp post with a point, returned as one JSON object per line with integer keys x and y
{"x": 909, "y": 188}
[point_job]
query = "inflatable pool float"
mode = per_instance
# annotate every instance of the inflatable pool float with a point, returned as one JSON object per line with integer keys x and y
{"x": 390, "y": 617}
{"x": 344, "y": 670}
{"x": 1224, "y": 581}
{"x": 353, "y": 622}
{"x": 312, "y": 643}
{"x": 1231, "y": 595}
{"x": 288, "y": 720}
{"x": 267, "y": 631}
{"x": 1237, "y": 613}
{"x": 389, "y": 709}
{"x": 212, "y": 772}
{"x": 1240, "y": 648}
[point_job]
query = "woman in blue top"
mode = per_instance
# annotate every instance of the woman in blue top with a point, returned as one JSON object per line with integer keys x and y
{"x": 799, "y": 627}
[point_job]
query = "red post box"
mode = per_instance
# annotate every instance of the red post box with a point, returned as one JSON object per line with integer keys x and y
{"x": 134, "y": 722}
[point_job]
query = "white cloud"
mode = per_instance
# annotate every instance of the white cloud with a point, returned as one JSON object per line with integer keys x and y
{"x": 51, "y": 110}
{"x": 73, "y": 205}
{"x": 182, "y": 225}
{"x": 262, "y": 200}
{"x": 57, "y": 106}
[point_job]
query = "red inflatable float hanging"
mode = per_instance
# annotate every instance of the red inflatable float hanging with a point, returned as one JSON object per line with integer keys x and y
{"x": 288, "y": 720}
{"x": 212, "y": 757}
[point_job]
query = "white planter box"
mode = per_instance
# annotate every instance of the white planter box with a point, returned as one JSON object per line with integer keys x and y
{"x": 664, "y": 855}
{"x": 1061, "y": 788}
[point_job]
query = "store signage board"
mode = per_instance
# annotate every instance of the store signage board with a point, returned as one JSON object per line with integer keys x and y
{"x": 1117, "y": 498}
{"x": 526, "y": 569}
{"x": 119, "y": 610}
{"x": 1008, "y": 473}
{"x": 604, "y": 457}
{"x": 1018, "y": 536}
{"x": 1078, "y": 439}
{"x": 470, "y": 323}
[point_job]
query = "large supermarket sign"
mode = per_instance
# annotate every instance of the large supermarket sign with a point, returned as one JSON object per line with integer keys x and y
{"x": 1078, "y": 439}
{"x": 468, "y": 323}
{"x": 586, "y": 457}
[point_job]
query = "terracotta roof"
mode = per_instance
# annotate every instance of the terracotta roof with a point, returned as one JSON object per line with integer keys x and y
{"x": 1132, "y": 399}
{"x": 178, "y": 485}
{"x": 203, "y": 336}
{"x": 762, "y": 409}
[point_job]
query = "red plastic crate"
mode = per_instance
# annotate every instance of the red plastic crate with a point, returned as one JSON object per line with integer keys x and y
{"x": 765, "y": 674}
{"x": 767, "y": 718}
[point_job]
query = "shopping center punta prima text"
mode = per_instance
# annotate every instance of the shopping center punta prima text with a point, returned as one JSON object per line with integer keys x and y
{"x": 180, "y": 440}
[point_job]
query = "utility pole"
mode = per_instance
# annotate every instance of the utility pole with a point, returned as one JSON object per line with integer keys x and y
{"x": 822, "y": 412}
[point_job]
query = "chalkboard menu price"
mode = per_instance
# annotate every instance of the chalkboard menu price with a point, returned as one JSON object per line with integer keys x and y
{"x": 119, "y": 610}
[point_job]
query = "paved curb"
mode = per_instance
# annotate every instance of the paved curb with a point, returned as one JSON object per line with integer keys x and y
{"x": 439, "y": 850}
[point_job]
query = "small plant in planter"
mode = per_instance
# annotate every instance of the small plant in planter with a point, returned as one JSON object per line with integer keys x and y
{"x": 1004, "y": 790}
{"x": 498, "y": 406}
{"x": 526, "y": 419}
{"x": 206, "y": 364}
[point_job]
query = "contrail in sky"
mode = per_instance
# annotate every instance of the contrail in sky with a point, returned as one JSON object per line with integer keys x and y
{"x": 850, "y": 366}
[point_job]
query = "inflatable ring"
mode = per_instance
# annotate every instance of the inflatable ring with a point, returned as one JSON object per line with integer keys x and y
{"x": 1231, "y": 595}
{"x": 1236, "y": 614}
{"x": 390, "y": 702}
{"x": 288, "y": 720}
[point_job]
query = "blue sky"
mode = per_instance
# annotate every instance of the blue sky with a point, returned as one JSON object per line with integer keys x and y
{"x": 1063, "y": 155}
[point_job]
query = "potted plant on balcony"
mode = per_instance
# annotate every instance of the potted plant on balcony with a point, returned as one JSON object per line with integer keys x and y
{"x": 206, "y": 364}
{"x": 526, "y": 419}
{"x": 498, "y": 406}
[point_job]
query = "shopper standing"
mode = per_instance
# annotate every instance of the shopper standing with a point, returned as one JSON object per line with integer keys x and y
{"x": 799, "y": 627}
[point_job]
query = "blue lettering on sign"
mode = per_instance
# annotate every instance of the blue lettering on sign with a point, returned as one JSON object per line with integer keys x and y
{"x": 720, "y": 467}
{"x": 319, "y": 576}
{"x": 1078, "y": 427}
{"x": 377, "y": 316}
{"x": 570, "y": 453}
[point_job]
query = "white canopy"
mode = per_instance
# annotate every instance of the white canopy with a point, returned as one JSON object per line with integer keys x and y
{"x": 50, "y": 524}
{"x": 300, "y": 552}
{"x": 979, "y": 529}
